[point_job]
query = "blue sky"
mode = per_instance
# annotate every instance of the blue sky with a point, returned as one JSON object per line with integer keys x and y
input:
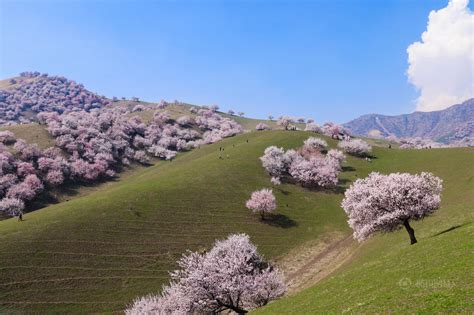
{"x": 330, "y": 60}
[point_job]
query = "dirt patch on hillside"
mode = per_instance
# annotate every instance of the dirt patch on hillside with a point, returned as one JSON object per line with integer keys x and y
{"x": 315, "y": 260}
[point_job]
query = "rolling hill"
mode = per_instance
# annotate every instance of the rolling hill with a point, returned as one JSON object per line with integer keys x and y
{"x": 449, "y": 125}
{"x": 97, "y": 252}
{"x": 99, "y": 246}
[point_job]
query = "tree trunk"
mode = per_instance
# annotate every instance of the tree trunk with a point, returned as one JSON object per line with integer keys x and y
{"x": 410, "y": 231}
{"x": 262, "y": 214}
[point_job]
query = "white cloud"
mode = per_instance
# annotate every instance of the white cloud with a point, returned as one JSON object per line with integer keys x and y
{"x": 441, "y": 65}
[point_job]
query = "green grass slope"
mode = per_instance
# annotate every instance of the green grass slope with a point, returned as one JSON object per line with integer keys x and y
{"x": 32, "y": 133}
{"x": 388, "y": 276}
{"x": 98, "y": 252}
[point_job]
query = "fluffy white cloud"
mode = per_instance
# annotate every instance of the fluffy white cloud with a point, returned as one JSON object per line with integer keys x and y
{"x": 441, "y": 65}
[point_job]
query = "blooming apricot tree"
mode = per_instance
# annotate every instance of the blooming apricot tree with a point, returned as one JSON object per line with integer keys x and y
{"x": 355, "y": 147}
{"x": 383, "y": 203}
{"x": 262, "y": 201}
{"x": 262, "y": 126}
{"x": 313, "y": 127}
{"x": 275, "y": 161}
{"x": 317, "y": 171}
{"x": 232, "y": 276}
{"x": 285, "y": 122}
{"x": 315, "y": 143}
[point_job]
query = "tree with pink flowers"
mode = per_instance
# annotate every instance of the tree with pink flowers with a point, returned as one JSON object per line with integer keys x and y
{"x": 313, "y": 127}
{"x": 285, "y": 122}
{"x": 6, "y": 137}
{"x": 317, "y": 171}
{"x": 232, "y": 276}
{"x": 262, "y": 126}
{"x": 12, "y": 206}
{"x": 262, "y": 201}
{"x": 275, "y": 181}
{"x": 315, "y": 143}
{"x": 336, "y": 155}
{"x": 384, "y": 203}
{"x": 355, "y": 147}
{"x": 275, "y": 161}
{"x": 45, "y": 93}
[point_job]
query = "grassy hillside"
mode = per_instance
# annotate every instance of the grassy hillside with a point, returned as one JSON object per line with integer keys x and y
{"x": 32, "y": 133}
{"x": 387, "y": 275}
{"x": 251, "y": 123}
{"x": 98, "y": 252}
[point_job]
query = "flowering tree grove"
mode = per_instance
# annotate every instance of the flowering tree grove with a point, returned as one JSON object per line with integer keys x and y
{"x": 96, "y": 144}
{"x": 308, "y": 166}
{"x": 383, "y": 203}
{"x": 43, "y": 93}
{"x": 335, "y": 131}
{"x": 232, "y": 276}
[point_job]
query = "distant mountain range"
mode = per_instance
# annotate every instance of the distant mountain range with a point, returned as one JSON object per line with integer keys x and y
{"x": 450, "y": 125}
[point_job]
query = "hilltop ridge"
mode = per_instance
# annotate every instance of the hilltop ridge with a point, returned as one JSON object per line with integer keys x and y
{"x": 453, "y": 124}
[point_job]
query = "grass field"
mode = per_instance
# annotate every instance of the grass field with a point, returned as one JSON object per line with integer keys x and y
{"x": 97, "y": 252}
{"x": 32, "y": 133}
{"x": 387, "y": 275}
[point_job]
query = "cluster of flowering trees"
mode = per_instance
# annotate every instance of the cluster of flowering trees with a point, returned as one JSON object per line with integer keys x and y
{"x": 285, "y": 122}
{"x": 383, "y": 203}
{"x": 355, "y": 147}
{"x": 419, "y": 143}
{"x": 308, "y": 166}
{"x": 232, "y": 276}
{"x": 94, "y": 145}
{"x": 20, "y": 176}
{"x": 313, "y": 128}
{"x": 45, "y": 94}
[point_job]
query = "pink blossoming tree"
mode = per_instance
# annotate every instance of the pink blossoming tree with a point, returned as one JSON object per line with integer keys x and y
{"x": 262, "y": 126}
{"x": 313, "y": 127}
{"x": 275, "y": 161}
{"x": 262, "y": 201}
{"x": 355, "y": 147}
{"x": 232, "y": 276}
{"x": 383, "y": 203}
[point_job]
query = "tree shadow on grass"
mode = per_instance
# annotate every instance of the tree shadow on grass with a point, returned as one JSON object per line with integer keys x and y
{"x": 348, "y": 169}
{"x": 284, "y": 192}
{"x": 279, "y": 220}
{"x": 449, "y": 230}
